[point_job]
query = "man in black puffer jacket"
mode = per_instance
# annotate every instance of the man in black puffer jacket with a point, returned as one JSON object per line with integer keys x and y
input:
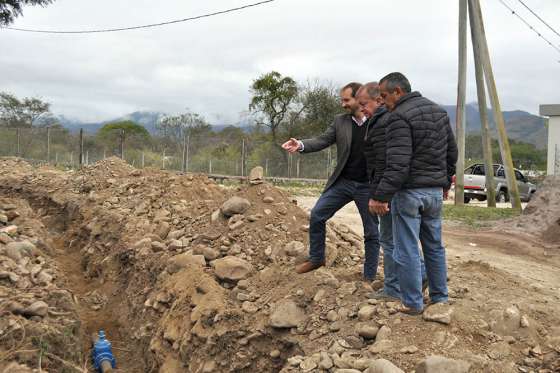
{"x": 372, "y": 106}
{"x": 420, "y": 160}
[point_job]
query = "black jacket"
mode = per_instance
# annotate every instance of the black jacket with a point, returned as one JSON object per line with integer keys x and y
{"x": 374, "y": 147}
{"x": 421, "y": 149}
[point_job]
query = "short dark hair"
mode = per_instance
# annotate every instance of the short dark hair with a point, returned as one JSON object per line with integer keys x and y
{"x": 354, "y": 86}
{"x": 394, "y": 80}
{"x": 371, "y": 88}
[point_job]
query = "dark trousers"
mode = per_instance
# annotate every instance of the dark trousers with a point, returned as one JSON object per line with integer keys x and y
{"x": 333, "y": 199}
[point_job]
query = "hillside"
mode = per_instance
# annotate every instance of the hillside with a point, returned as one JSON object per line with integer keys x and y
{"x": 521, "y": 125}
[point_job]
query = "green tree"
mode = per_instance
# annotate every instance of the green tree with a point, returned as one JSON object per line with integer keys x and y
{"x": 176, "y": 133}
{"x": 320, "y": 104}
{"x": 23, "y": 113}
{"x": 115, "y": 135}
{"x": 273, "y": 97}
{"x": 11, "y": 9}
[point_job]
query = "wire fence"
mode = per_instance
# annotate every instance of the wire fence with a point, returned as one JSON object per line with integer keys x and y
{"x": 209, "y": 153}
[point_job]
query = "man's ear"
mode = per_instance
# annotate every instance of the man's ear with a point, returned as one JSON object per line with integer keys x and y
{"x": 379, "y": 100}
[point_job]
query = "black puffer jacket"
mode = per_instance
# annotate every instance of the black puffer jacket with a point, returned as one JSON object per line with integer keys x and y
{"x": 374, "y": 147}
{"x": 421, "y": 149}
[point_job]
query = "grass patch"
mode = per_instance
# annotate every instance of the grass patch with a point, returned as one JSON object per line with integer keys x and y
{"x": 477, "y": 216}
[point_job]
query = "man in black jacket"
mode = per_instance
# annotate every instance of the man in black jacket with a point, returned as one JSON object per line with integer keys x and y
{"x": 420, "y": 160}
{"x": 348, "y": 182}
{"x": 372, "y": 106}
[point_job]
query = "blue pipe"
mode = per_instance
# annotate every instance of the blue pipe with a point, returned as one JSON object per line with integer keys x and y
{"x": 102, "y": 353}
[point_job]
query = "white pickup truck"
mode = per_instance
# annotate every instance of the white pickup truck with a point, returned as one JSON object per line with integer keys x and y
{"x": 475, "y": 184}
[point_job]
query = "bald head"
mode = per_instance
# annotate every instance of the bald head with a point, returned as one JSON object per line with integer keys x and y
{"x": 369, "y": 99}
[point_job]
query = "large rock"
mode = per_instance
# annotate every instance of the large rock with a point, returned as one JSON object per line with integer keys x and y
{"x": 506, "y": 322}
{"x": 18, "y": 250}
{"x": 287, "y": 314}
{"x": 178, "y": 262}
{"x": 256, "y": 176}
{"x": 235, "y": 205}
{"x": 440, "y": 364}
{"x": 38, "y": 308}
{"x": 366, "y": 312}
{"x": 383, "y": 366}
{"x": 232, "y": 268}
{"x": 438, "y": 312}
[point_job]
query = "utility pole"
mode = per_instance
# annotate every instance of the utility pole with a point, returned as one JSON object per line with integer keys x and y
{"x": 483, "y": 111}
{"x": 480, "y": 39}
{"x": 81, "y": 146}
{"x": 460, "y": 114}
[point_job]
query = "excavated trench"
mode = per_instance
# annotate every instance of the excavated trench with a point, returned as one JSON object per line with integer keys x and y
{"x": 97, "y": 296}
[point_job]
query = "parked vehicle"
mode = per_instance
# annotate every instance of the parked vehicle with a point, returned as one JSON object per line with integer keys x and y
{"x": 475, "y": 184}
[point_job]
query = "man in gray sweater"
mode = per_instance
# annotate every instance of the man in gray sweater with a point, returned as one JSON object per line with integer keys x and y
{"x": 348, "y": 182}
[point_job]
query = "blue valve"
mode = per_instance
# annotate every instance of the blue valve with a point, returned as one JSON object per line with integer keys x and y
{"x": 102, "y": 353}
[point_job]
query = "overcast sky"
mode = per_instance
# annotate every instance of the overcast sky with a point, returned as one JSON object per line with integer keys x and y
{"x": 208, "y": 65}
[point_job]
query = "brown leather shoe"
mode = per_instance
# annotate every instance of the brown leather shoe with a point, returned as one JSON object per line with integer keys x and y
{"x": 308, "y": 267}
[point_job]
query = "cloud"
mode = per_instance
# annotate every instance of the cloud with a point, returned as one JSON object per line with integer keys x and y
{"x": 208, "y": 65}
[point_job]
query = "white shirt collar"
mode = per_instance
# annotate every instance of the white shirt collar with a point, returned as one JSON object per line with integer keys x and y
{"x": 358, "y": 121}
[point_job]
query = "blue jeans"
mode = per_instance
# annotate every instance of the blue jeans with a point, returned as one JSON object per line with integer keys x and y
{"x": 417, "y": 216}
{"x": 333, "y": 199}
{"x": 391, "y": 282}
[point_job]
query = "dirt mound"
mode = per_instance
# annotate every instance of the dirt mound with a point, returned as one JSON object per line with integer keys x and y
{"x": 542, "y": 215}
{"x": 187, "y": 276}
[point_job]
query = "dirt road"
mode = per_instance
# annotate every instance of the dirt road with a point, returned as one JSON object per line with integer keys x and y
{"x": 518, "y": 256}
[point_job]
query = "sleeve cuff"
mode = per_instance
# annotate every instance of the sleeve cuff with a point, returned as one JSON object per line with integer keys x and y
{"x": 301, "y": 146}
{"x": 383, "y": 197}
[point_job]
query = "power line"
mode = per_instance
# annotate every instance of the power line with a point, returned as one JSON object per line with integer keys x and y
{"x": 143, "y": 26}
{"x": 529, "y": 25}
{"x": 540, "y": 19}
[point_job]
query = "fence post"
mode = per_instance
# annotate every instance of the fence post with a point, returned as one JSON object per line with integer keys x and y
{"x": 289, "y": 165}
{"x": 184, "y": 157}
{"x": 242, "y": 157}
{"x": 104, "y": 153}
{"x": 297, "y": 167}
{"x": 122, "y": 144}
{"x": 210, "y": 166}
{"x": 266, "y": 167}
{"x": 87, "y": 157}
{"x": 328, "y": 161}
{"x": 163, "y": 160}
{"x": 48, "y": 144}
{"x": 188, "y": 148}
{"x": 81, "y": 146}
{"x": 18, "y": 134}
{"x": 56, "y": 158}
{"x": 142, "y": 159}
{"x": 71, "y": 159}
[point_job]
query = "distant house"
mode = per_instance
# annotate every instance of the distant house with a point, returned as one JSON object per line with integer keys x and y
{"x": 553, "y": 158}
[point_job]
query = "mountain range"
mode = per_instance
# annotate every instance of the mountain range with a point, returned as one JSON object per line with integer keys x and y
{"x": 520, "y": 125}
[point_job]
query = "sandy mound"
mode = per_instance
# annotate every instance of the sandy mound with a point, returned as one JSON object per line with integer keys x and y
{"x": 542, "y": 215}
